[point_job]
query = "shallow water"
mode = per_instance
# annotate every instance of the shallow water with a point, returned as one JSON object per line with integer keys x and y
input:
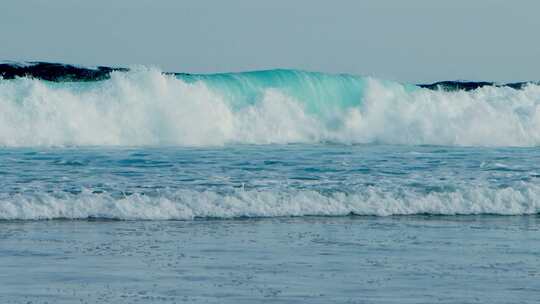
{"x": 404, "y": 259}
{"x": 277, "y": 223}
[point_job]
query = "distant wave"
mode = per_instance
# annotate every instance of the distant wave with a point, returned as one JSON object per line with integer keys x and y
{"x": 144, "y": 106}
{"x": 189, "y": 204}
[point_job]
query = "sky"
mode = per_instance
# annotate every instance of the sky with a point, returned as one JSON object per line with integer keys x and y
{"x": 404, "y": 40}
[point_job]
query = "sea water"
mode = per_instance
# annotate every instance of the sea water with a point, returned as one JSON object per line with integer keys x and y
{"x": 407, "y": 259}
{"x": 245, "y": 181}
{"x": 273, "y": 186}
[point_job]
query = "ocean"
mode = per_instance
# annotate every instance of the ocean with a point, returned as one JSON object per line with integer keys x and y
{"x": 280, "y": 186}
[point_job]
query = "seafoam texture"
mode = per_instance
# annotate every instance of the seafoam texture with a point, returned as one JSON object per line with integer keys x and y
{"x": 146, "y": 107}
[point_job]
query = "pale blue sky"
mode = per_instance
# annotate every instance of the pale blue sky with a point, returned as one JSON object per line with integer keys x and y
{"x": 415, "y": 40}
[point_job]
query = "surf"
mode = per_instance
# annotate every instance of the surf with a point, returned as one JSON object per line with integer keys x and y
{"x": 144, "y": 106}
{"x": 183, "y": 204}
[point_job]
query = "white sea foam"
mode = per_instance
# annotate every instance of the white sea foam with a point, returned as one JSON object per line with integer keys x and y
{"x": 490, "y": 116}
{"x": 189, "y": 204}
{"x": 144, "y": 107}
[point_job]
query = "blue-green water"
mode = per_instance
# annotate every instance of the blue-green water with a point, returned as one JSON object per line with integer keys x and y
{"x": 317, "y": 90}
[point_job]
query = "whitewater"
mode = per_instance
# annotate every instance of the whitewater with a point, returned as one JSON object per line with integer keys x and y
{"x": 146, "y": 107}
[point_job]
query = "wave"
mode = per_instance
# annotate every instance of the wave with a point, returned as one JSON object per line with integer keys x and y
{"x": 144, "y": 106}
{"x": 188, "y": 204}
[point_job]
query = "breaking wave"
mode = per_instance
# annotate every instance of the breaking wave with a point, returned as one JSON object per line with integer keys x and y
{"x": 189, "y": 204}
{"x": 144, "y": 106}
